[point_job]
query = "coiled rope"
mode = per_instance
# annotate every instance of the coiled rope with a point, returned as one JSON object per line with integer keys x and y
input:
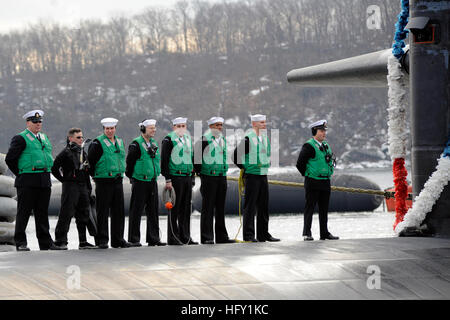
{"x": 169, "y": 199}
{"x": 241, "y": 190}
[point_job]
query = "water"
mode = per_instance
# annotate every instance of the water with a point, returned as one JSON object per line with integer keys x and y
{"x": 288, "y": 227}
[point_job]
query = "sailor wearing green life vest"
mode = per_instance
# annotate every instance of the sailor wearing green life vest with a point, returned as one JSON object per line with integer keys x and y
{"x": 177, "y": 167}
{"x": 316, "y": 163}
{"x": 212, "y": 166}
{"x": 30, "y": 159}
{"x": 106, "y": 157}
{"x": 143, "y": 169}
{"x": 253, "y": 156}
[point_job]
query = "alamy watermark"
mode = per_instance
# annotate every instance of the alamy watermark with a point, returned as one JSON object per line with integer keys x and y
{"x": 374, "y": 280}
{"x": 373, "y": 17}
{"x": 73, "y": 281}
{"x": 268, "y": 141}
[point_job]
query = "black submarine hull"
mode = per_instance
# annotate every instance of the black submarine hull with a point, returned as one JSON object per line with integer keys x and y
{"x": 284, "y": 199}
{"x": 281, "y": 199}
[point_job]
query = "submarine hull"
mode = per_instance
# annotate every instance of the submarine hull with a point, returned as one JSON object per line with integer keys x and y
{"x": 281, "y": 200}
{"x": 292, "y": 199}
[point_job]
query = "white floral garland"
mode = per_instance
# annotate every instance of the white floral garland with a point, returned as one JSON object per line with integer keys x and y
{"x": 429, "y": 195}
{"x": 397, "y": 112}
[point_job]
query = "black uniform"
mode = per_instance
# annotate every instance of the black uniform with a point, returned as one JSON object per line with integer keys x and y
{"x": 144, "y": 196}
{"x": 75, "y": 197}
{"x": 256, "y": 200}
{"x": 214, "y": 192}
{"x": 33, "y": 195}
{"x": 316, "y": 192}
{"x": 179, "y": 222}
{"x": 109, "y": 199}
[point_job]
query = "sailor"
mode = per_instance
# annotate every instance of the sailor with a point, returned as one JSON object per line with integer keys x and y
{"x": 30, "y": 159}
{"x": 106, "y": 157}
{"x": 177, "y": 168}
{"x": 316, "y": 163}
{"x": 71, "y": 168}
{"x": 212, "y": 168}
{"x": 253, "y": 156}
{"x": 143, "y": 169}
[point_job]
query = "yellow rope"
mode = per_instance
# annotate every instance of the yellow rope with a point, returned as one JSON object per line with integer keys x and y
{"x": 386, "y": 194}
{"x": 241, "y": 190}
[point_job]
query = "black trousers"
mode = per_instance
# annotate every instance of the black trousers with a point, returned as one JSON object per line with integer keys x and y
{"x": 256, "y": 201}
{"x": 179, "y": 222}
{"x": 110, "y": 201}
{"x": 316, "y": 192}
{"x": 34, "y": 200}
{"x": 74, "y": 202}
{"x": 214, "y": 191}
{"x": 144, "y": 197}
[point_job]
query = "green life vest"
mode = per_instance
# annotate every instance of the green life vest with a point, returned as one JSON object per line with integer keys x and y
{"x": 146, "y": 167}
{"x": 257, "y": 161}
{"x": 180, "y": 163}
{"x": 317, "y": 167}
{"x": 214, "y": 160}
{"x": 37, "y": 156}
{"x": 112, "y": 161}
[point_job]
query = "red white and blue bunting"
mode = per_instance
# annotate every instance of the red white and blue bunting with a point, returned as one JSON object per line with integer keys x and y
{"x": 433, "y": 188}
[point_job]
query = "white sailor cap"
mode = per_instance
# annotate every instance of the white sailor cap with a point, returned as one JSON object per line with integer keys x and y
{"x": 109, "y": 122}
{"x": 215, "y": 120}
{"x": 318, "y": 124}
{"x": 258, "y": 117}
{"x": 148, "y": 122}
{"x": 179, "y": 121}
{"x": 34, "y": 114}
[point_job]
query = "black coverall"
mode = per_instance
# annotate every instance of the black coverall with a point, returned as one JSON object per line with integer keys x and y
{"x": 144, "y": 197}
{"x": 33, "y": 195}
{"x": 256, "y": 199}
{"x": 75, "y": 197}
{"x": 109, "y": 200}
{"x": 316, "y": 192}
{"x": 214, "y": 192}
{"x": 179, "y": 222}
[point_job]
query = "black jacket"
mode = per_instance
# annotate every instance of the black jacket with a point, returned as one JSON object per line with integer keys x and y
{"x": 306, "y": 153}
{"x": 134, "y": 154}
{"x": 67, "y": 163}
{"x": 237, "y": 154}
{"x": 30, "y": 180}
{"x": 199, "y": 148}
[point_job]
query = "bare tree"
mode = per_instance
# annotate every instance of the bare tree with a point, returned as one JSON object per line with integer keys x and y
{"x": 153, "y": 25}
{"x": 182, "y": 10}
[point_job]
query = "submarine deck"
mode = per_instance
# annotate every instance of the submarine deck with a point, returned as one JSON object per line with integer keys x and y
{"x": 411, "y": 268}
